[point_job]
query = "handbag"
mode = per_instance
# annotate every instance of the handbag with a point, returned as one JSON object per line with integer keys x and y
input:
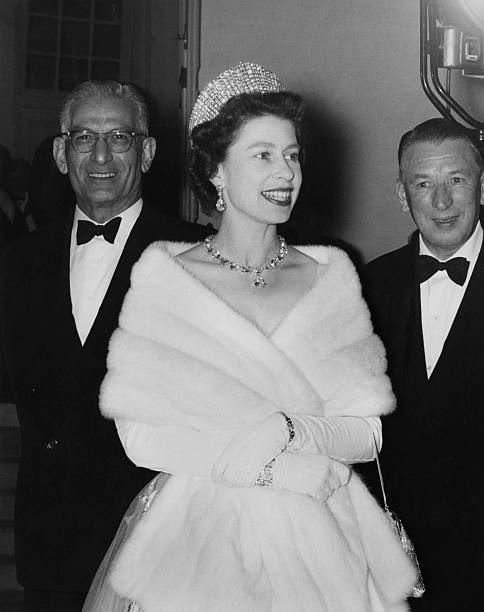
{"x": 418, "y": 588}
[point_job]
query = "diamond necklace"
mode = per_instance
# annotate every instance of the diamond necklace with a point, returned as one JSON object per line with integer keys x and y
{"x": 259, "y": 282}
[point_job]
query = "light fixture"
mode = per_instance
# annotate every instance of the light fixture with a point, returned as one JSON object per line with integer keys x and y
{"x": 451, "y": 38}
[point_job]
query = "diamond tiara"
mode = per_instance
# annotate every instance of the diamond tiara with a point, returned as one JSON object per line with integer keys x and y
{"x": 246, "y": 77}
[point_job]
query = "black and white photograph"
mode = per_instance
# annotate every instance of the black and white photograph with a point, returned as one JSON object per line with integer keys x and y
{"x": 241, "y": 297}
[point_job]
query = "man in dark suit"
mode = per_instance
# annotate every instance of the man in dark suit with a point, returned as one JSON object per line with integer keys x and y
{"x": 61, "y": 293}
{"x": 427, "y": 302}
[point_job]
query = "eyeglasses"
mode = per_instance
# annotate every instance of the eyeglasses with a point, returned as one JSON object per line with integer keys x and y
{"x": 118, "y": 141}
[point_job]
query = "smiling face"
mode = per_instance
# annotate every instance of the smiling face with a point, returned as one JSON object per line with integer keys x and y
{"x": 261, "y": 174}
{"x": 441, "y": 185}
{"x": 105, "y": 183}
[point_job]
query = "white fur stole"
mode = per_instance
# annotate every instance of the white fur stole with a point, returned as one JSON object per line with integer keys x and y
{"x": 187, "y": 363}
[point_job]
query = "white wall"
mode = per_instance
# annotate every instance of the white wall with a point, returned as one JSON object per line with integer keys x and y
{"x": 357, "y": 65}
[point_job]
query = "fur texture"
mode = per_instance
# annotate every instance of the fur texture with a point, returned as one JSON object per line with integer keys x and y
{"x": 185, "y": 362}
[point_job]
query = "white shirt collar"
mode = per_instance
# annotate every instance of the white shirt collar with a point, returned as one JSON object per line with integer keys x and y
{"x": 128, "y": 219}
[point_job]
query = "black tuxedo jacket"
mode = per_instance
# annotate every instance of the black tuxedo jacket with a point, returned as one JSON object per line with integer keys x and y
{"x": 75, "y": 481}
{"x": 433, "y": 445}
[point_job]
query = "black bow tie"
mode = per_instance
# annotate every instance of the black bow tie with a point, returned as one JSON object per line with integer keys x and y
{"x": 456, "y": 268}
{"x": 86, "y": 230}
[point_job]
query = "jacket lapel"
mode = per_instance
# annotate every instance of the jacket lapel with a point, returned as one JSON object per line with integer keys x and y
{"x": 107, "y": 317}
{"x": 405, "y": 338}
{"x": 462, "y": 336}
{"x": 65, "y": 303}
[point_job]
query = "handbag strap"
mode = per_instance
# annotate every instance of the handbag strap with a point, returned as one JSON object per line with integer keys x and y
{"x": 380, "y": 475}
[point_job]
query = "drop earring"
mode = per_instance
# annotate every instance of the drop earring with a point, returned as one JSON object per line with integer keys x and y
{"x": 221, "y": 205}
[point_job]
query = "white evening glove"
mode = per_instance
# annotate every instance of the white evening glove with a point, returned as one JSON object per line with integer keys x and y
{"x": 311, "y": 474}
{"x": 346, "y": 438}
{"x": 250, "y": 450}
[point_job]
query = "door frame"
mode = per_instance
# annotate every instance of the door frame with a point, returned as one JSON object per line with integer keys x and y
{"x": 191, "y": 21}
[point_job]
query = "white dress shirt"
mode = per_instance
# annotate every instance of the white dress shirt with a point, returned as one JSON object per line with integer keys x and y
{"x": 440, "y": 299}
{"x": 92, "y": 266}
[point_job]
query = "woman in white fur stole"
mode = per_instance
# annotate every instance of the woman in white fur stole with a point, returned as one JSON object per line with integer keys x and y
{"x": 252, "y": 387}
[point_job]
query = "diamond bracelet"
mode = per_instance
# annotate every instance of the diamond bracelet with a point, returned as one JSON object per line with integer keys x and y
{"x": 290, "y": 428}
{"x": 264, "y": 479}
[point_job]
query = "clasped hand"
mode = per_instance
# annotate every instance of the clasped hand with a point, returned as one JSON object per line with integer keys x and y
{"x": 250, "y": 450}
{"x": 255, "y": 446}
{"x": 310, "y": 474}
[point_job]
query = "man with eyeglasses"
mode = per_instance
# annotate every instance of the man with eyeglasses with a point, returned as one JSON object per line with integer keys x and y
{"x": 61, "y": 294}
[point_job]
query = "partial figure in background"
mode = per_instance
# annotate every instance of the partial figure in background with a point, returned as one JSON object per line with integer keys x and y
{"x": 61, "y": 290}
{"x": 9, "y": 218}
{"x": 247, "y": 370}
{"x": 51, "y": 196}
{"x": 17, "y": 182}
{"x": 427, "y": 300}
{"x": 16, "y": 216}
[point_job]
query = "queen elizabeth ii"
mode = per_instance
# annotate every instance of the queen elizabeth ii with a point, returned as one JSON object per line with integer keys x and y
{"x": 247, "y": 373}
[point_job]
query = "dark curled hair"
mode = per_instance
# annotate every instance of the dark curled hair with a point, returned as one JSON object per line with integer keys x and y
{"x": 211, "y": 140}
{"x": 436, "y": 131}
